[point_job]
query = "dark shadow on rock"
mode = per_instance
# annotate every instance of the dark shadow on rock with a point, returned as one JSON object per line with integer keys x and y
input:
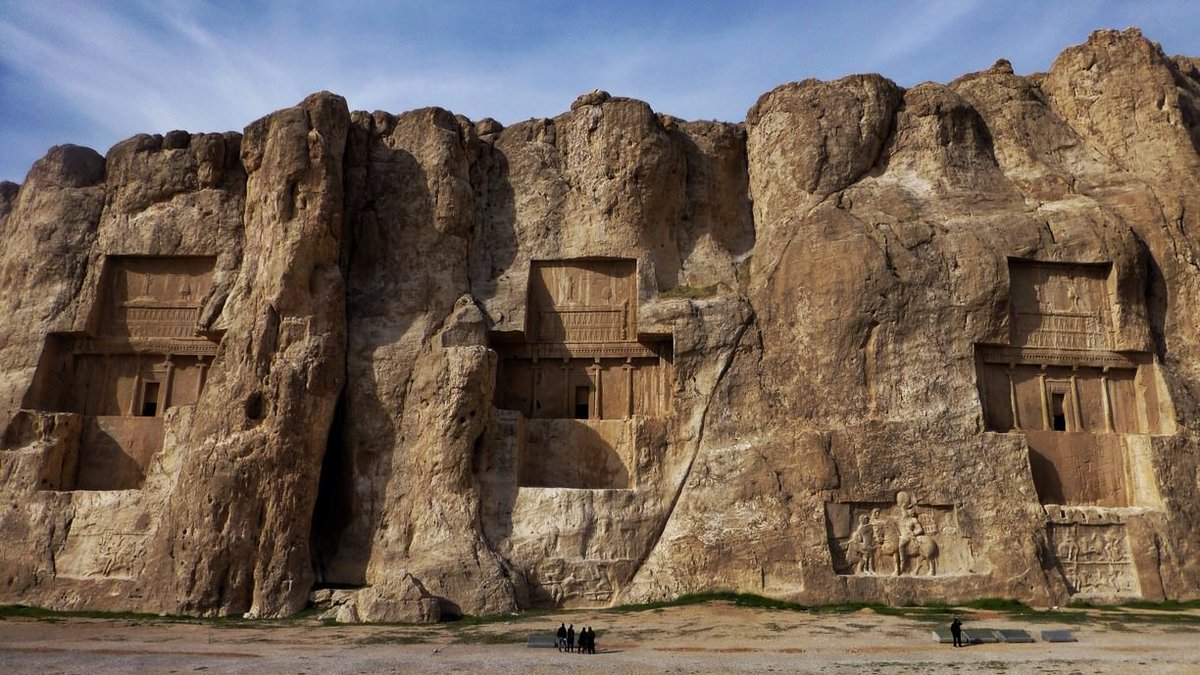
{"x": 495, "y": 237}
{"x": 105, "y": 465}
{"x": 1046, "y": 479}
{"x": 376, "y": 260}
{"x": 1156, "y": 299}
{"x": 705, "y": 191}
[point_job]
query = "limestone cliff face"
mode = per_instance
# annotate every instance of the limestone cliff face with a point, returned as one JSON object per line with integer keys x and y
{"x": 871, "y": 344}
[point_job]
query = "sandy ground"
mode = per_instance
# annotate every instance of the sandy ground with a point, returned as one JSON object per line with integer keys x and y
{"x": 710, "y": 638}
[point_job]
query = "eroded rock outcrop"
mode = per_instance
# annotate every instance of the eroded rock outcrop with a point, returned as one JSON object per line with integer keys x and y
{"x": 873, "y": 344}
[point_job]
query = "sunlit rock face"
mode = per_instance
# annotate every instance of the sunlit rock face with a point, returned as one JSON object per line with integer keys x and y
{"x": 872, "y": 344}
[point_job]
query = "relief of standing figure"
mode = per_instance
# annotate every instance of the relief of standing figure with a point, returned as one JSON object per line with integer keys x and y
{"x": 862, "y": 546}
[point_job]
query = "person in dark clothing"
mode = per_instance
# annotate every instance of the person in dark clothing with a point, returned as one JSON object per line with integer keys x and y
{"x": 562, "y": 636}
{"x": 571, "y": 638}
{"x": 591, "y": 640}
{"x": 956, "y": 632}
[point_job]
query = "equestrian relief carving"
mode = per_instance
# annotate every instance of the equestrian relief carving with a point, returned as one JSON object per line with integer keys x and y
{"x": 904, "y": 538}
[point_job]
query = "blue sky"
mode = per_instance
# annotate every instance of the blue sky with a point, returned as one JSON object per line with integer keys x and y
{"x": 93, "y": 73}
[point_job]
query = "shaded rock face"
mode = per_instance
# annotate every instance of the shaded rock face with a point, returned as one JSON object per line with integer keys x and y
{"x": 873, "y": 344}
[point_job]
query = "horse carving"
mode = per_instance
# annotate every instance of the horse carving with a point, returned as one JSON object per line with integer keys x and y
{"x": 907, "y": 540}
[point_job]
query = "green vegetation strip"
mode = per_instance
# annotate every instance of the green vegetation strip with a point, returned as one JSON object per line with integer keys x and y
{"x": 464, "y": 628}
{"x": 739, "y": 599}
{"x": 691, "y": 292}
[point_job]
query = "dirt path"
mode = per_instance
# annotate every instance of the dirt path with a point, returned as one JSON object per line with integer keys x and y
{"x": 710, "y": 638}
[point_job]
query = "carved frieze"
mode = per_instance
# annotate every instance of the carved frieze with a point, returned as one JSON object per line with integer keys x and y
{"x": 117, "y": 345}
{"x": 1092, "y": 554}
{"x": 584, "y": 324}
{"x": 1060, "y": 357}
{"x": 900, "y": 538}
{"x": 548, "y": 351}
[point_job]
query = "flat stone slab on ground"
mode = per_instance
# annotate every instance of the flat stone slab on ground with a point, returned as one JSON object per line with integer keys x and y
{"x": 1058, "y": 636}
{"x": 1015, "y": 635}
{"x": 978, "y": 635}
{"x": 981, "y": 636}
{"x": 540, "y": 640}
{"x": 984, "y": 635}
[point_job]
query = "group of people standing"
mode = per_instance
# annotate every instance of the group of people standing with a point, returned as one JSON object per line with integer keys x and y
{"x": 566, "y": 639}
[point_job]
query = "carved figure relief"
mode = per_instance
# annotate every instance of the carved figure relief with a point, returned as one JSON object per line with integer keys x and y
{"x": 1058, "y": 383}
{"x": 1093, "y": 554}
{"x": 904, "y": 538}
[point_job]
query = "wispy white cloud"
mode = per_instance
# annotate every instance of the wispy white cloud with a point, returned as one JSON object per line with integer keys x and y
{"x": 94, "y": 73}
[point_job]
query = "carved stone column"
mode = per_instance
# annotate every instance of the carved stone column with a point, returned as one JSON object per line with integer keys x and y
{"x": 1139, "y": 393}
{"x": 1045, "y": 399}
{"x": 135, "y": 399}
{"x": 594, "y": 411}
{"x": 628, "y": 368}
{"x": 164, "y": 396}
{"x": 1076, "y": 413}
{"x": 1105, "y": 401}
{"x": 1012, "y": 398}
{"x": 201, "y": 377}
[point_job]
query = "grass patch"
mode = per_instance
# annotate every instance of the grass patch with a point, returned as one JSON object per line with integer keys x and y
{"x": 42, "y": 614}
{"x": 468, "y": 621}
{"x": 55, "y": 615}
{"x": 850, "y": 607}
{"x": 1183, "y": 619}
{"x": 999, "y": 605}
{"x": 1037, "y": 616}
{"x": 1164, "y": 606}
{"x": 931, "y": 613}
{"x": 393, "y": 639}
{"x": 690, "y": 292}
{"x": 1087, "y": 606}
{"x": 507, "y": 638}
{"x": 739, "y": 599}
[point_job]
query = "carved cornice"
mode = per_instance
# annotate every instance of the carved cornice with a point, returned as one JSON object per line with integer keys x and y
{"x": 603, "y": 350}
{"x": 116, "y": 346}
{"x": 1040, "y": 356}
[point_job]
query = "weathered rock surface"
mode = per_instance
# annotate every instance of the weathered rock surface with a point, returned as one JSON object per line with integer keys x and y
{"x": 873, "y": 344}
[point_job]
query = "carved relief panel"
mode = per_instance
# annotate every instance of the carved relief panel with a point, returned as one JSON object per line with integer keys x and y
{"x": 1092, "y": 553}
{"x": 582, "y": 301}
{"x": 900, "y": 538}
{"x": 1057, "y": 306}
{"x": 153, "y": 297}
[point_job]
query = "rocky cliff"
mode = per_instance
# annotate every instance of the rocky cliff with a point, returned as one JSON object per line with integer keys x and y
{"x": 872, "y": 344}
